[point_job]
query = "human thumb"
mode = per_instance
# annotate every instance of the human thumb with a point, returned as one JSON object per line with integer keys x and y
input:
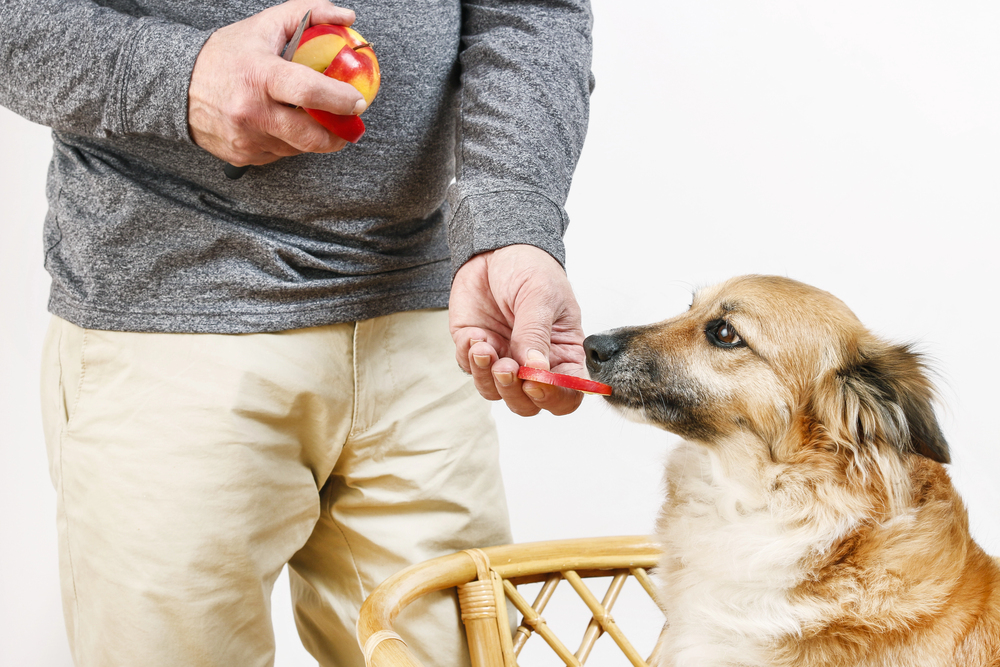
{"x": 530, "y": 339}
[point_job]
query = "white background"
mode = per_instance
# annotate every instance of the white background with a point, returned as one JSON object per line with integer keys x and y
{"x": 852, "y": 145}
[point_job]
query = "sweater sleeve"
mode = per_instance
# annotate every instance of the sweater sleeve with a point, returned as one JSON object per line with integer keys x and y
{"x": 89, "y": 70}
{"x": 524, "y": 106}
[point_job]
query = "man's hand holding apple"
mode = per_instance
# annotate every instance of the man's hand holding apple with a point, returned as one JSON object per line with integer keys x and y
{"x": 242, "y": 93}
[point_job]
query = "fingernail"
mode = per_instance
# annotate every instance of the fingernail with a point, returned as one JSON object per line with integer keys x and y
{"x": 535, "y": 393}
{"x": 535, "y": 355}
{"x": 476, "y": 340}
{"x": 504, "y": 378}
{"x": 482, "y": 360}
{"x": 360, "y": 106}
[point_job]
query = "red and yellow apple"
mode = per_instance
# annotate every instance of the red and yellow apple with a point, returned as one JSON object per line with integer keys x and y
{"x": 341, "y": 53}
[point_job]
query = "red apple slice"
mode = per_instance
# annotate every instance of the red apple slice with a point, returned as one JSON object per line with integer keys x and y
{"x": 346, "y": 127}
{"x": 561, "y": 380}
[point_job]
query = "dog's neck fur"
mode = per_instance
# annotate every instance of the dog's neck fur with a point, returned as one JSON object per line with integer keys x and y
{"x": 751, "y": 549}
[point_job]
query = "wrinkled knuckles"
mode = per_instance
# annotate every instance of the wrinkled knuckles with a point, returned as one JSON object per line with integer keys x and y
{"x": 314, "y": 139}
{"x": 560, "y": 410}
{"x": 242, "y": 146}
{"x": 243, "y": 113}
{"x": 524, "y": 411}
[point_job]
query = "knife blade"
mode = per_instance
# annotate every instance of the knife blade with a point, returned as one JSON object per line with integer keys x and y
{"x": 287, "y": 53}
{"x": 293, "y": 43}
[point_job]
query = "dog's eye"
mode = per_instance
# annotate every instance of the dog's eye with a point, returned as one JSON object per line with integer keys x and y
{"x": 722, "y": 334}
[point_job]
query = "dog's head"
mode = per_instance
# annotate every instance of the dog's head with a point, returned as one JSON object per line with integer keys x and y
{"x": 771, "y": 357}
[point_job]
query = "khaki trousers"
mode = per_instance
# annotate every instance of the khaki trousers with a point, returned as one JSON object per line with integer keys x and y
{"x": 190, "y": 468}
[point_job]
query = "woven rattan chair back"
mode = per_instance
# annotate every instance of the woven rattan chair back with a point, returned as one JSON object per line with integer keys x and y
{"x": 487, "y": 578}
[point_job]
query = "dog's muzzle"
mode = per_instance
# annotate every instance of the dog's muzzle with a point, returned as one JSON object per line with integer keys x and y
{"x": 601, "y": 349}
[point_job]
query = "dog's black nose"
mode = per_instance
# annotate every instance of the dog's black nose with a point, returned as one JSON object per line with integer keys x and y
{"x": 600, "y": 348}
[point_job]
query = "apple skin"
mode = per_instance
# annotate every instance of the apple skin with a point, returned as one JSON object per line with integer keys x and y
{"x": 340, "y": 53}
{"x": 561, "y": 380}
{"x": 346, "y": 127}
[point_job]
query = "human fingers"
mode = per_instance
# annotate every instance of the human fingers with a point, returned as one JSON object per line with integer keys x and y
{"x": 481, "y": 357}
{"x": 510, "y": 388}
{"x": 297, "y": 132}
{"x": 466, "y": 337}
{"x": 557, "y": 400}
{"x": 261, "y": 146}
{"x": 321, "y": 11}
{"x": 301, "y": 86}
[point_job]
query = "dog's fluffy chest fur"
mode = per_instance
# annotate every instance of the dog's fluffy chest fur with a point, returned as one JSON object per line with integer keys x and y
{"x": 763, "y": 568}
{"x": 730, "y": 559}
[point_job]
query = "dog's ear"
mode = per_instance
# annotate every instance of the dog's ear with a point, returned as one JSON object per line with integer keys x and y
{"x": 886, "y": 396}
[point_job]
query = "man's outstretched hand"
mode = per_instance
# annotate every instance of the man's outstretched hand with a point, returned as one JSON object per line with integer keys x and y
{"x": 514, "y": 307}
{"x": 241, "y": 88}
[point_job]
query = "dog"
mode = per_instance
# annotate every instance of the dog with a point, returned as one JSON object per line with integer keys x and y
{"x": 808, "y": 518}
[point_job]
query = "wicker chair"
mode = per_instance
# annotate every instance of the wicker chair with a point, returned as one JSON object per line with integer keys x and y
{"x": 487, "y": 578}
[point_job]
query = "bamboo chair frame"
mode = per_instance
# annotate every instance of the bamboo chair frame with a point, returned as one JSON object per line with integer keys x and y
{"x": 487, "y": 578}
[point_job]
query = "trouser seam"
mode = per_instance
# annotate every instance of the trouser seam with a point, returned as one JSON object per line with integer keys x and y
{"x": 356, "y": 368}
{"x": 354, "y": 561}
{"x": 62, "y": 477}
{"x": 356, "y": 381}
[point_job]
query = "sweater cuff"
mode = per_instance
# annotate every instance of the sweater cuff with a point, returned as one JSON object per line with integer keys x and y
{"x": 152, "y": 77}
{"x": 494, "y": 220}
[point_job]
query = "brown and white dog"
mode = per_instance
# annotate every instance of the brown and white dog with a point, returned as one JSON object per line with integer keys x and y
{"x": 808, "y": 520}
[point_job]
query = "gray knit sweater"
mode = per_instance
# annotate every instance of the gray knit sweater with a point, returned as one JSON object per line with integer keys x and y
{"x": 471, "y": 145}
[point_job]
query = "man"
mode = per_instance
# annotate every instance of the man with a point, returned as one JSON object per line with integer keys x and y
{"x": 246, "y": 373}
